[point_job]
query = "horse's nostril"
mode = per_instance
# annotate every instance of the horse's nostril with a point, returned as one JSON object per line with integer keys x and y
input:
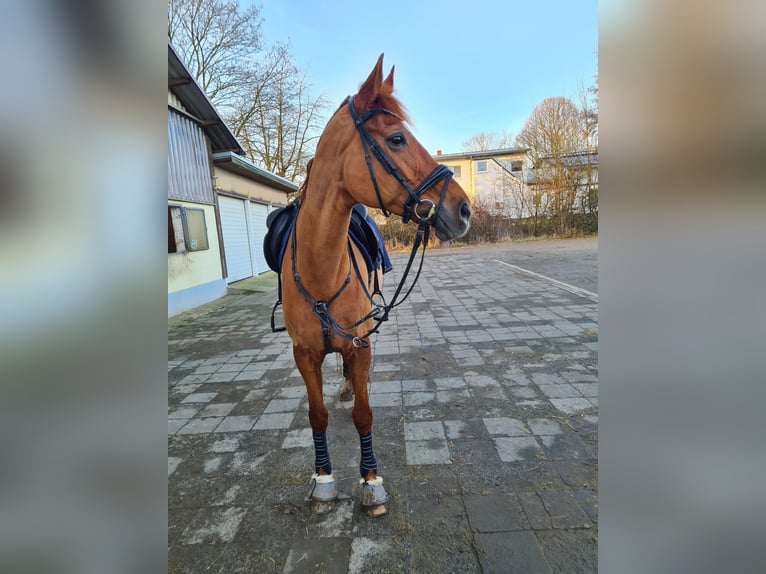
{"x": 465, "y": 211}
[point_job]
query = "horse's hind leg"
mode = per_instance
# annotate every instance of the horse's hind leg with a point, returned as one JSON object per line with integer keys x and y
{"x": 347, "y": 392}
{"x": 323, "y": 490}
{"x": 373, "y": 494}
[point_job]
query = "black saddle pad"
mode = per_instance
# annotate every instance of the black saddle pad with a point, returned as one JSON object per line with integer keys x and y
{"x": 280, "y": 223}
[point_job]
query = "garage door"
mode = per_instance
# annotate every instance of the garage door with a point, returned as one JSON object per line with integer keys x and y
{"x": 236, "y": 244}
{"x": 258, "y": 213}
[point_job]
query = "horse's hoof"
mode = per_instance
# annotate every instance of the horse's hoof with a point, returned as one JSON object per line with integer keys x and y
{"x": 377, "y": 510}
{"x": 346, "y": 395}
{"x": 321, "y": 506}
{"x": 322, "y": 489}
{"x": 374, "y": 497}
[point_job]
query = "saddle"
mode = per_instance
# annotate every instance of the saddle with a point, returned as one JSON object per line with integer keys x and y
{"x": 280, "y": 223}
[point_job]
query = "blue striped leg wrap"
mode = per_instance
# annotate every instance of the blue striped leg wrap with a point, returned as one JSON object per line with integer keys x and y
{"x": 322, "y": 456}
{"x": 368, "y": 457}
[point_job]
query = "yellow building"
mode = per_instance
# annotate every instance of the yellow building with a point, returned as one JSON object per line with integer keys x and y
{"x": 493, "y": 179}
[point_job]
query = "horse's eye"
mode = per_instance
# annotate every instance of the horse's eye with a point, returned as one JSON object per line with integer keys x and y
{"x": 396, "y": 140}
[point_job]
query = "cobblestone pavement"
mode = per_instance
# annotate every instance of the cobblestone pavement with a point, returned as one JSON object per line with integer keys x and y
{"x": 485, "y": 397}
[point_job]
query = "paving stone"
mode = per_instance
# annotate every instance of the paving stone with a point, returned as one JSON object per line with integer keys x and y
{"x": 220, "y": 378}
{"x": 174, "y": 425}
{"x": 449, "y": 383}
{"x": 423, "y": 430}
{"x": 200, "y": 426}
{"x": 563, "y": 509}
{"x": 179, "y": 390}
{"x": 184, "y": 412}
{"x": 302, "y": 438}
{"x": 385, "y": 387}
{"x": 282, "y": 405}
{"x": 217, "y": 410}
{"x": 588, "y": 501}
{"x": 417, "y": 398}
{"x": 386, "y": 400}
{"x": 199, "y": 398}
{"x": 274, "y": 421}
{"x": 502, "y": 552}
{"x": 543, "y": 427}
{"x": 505, "y": 426}
{"x": 545, "y": 378}
{"x": 534, "y": 509}
{"x": 498, "y": 512}
{"x": 297, "y": 392}
{"x": 236, "y": 423}
{"x": 257, "y": 394}
{"x": 571, "y": 406}
{"x": 481, "y": 381}
{"x": 417, "y": 385}
{"x": 385, "y": 367}
{"x": 427, "y": 452}
{"x": 561, "y": 391}
{"x": 524, "y": 392}
{"x": 193, "y": 379}
{"x": 452, "y": 396}
{"x": 516, "y": 448}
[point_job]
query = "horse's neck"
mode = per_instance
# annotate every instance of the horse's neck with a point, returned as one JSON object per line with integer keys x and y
{"x": 322, "y": 247}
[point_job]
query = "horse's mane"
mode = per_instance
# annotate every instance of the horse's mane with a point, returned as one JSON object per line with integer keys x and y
{"x": 385, "y": 100}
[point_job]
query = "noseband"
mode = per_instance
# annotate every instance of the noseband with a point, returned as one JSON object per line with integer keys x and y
{"x": 413, "y": 195}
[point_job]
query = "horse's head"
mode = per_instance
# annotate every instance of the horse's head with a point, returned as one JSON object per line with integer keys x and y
{"x": 384, "y": 166}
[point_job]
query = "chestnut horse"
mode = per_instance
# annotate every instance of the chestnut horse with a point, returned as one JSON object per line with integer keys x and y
{"x": 326, "y": 299}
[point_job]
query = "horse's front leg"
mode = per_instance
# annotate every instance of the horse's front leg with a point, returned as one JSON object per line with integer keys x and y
{"x": 323, "y": 491}
{"x": 373, "y": 494}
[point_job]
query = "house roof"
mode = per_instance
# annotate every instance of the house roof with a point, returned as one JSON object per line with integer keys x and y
{"x": 187, "y": 90}
{"x": 481, "y": 154}
{"x": 574, "y": 159}
{"x": 241, "y": 165}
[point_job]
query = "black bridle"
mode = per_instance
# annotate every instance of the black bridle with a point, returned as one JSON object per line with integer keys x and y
{"x": 369, "y": 144}
{"x": 412, "y": 204}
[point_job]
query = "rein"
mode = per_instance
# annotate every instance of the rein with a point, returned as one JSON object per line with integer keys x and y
{"x": 322, "y": 308}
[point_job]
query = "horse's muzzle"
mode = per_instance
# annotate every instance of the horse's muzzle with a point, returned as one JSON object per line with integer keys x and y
{"x": 453, "y": 223}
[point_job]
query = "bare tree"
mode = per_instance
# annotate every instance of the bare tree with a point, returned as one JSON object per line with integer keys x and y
{"x": 217, "y": 41}
{"x": 556, "y": 135}
{"x": 276, "y": 117}
{"x": 264, "y": 97}
{"x": 485, "y": 141}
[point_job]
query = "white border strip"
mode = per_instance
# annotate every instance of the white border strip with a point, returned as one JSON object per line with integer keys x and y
{"x": 565, "y": 286}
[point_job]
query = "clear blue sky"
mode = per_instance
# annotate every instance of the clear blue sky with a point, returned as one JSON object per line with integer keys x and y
{"x": 461, "y": 67}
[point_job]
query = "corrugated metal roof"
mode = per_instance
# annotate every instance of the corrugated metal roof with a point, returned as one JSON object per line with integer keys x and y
{"x": 197, "y": 104}
{"x": 245, "y": 167}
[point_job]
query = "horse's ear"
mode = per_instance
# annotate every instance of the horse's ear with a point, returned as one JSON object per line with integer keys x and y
{"x": 370, "y": 88}
{"x": 388, "y": 83}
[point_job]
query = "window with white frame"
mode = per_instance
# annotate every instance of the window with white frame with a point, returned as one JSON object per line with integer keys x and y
{"x": 455, "y": 169}
{"x": 187, "y": 230}
{"x": 481, "y": 166}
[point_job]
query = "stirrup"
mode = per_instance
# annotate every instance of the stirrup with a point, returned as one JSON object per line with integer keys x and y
{"x": 322, "y": 488}
{"x": 373, "y": 492}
